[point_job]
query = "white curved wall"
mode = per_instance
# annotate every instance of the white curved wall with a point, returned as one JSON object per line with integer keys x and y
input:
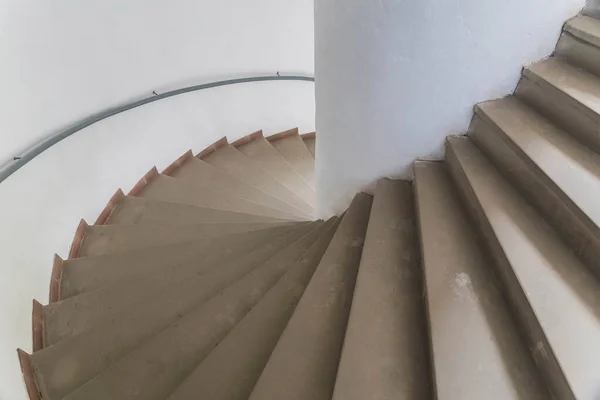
{"x": 63, "y": 60}
{"x": 394, "y": 78}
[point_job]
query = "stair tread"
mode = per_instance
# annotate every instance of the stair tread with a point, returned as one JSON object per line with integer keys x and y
{"x": 581, "y": 86}
{"x": 584, "y": 28}
{"x": 144, "y": 211}
{"x": 560, "y": 291}
{"x": 386, "y": 346}
{"x": 80, "y": 275}
{"x": 311, "y": 145}
{"x": 295, "y": 151}
{"x": 249, "y": 171}
{"x": 179, "y": 348}
{"x": 231, "y": 370}
{"x": 571, "y": 166}
{"x": 104, "y": 239}
{"x": 208, "y": 176}
{"x": 95, "y": 350}
{"x": 81, "y": 312}
{"x": 166, "y": 188}
{"x": 271, "y": 160}
{"x": 304, "y": 362}
{"x": 476, "y": 349}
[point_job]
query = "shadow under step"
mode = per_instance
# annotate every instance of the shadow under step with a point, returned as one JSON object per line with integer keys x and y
{"x": 580, "y": 43}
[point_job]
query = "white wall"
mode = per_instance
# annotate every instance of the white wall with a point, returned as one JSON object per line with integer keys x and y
{"x": 63, "y": 60}
{"x": 394, "y": 78}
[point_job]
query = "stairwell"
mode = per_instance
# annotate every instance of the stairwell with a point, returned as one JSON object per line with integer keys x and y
{"x": 477, "y": 280}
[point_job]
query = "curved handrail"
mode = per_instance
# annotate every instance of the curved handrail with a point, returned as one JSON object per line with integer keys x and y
{"x": 14, "y": 165}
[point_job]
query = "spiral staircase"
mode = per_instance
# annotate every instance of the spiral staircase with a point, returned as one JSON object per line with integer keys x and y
{"x": 477, "y": 280}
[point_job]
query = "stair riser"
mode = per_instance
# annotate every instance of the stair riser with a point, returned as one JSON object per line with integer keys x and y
{"x": 573, "y": 225}
{"x": 578, "y": 52}
{"x": 517, "y": 300}
{"x": 563, "y": 110}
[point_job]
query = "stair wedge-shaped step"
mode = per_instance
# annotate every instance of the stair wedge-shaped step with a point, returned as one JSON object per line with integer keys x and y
{"x": 385, "y": 354}
{"x": 80, "y": 275}
{"x": 65, "y": 366}
{"x": 231, "y": 370}
{"x": 166, "y": 188}
{"x": 567, "y": 95}
{"x": 143, "y": 211}
{"x": 476, "y": 349}
{"x": 291, "y": 146}
{"x": 310, "y": 140}
{"x": 557, "y": 174}
{"x": 80, "y": 313}
{"x": 276, "y": 165}
{"x": 555, "y": 298}
{"x": 208, "y": 176}
{"x": 104, "y": 239}
{"x": 580, "y": 43}
{"x": 178, "y": 349}
{"x": 304, "y": 362}
{"x": 243, "y": 168}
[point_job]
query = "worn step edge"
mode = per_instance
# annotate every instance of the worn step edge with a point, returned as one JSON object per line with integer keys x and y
{"x": 282, "y": 135}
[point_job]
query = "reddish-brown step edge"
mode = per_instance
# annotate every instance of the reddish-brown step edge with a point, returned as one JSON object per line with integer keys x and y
{"x": 282, "y": 135}
{"x": 310, "y": 135}
{"x": 78, "y": 239}
{"x": 28, "y": 377}
{"x": 56, "y": 278}
{"x": 213, "y": 147}
{"x": 114, "y": 201}
{"x": 247, "y": 139}
{"x": 37, "y": 326}
{"x": 170, "y": 170}
{"x": 142, "y": 183}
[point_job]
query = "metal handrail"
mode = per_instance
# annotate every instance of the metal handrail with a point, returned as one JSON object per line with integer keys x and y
{"x": 29, "y": 154}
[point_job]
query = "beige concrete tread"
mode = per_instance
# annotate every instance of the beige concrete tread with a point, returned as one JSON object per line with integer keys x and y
{"x": 565, "y": 94}
{"x": 84, "y": 274}
{"x": 208, "y": 176}
{"x": 95, "y": 350}
{"x": 553, "y": 296}
{"x": 81, "y": 312}
{"x": 476, "y": 350}
{"x": 304, "y": 363}
{"x": 579, "y": 52}
{"x": 278, "y": 167}
{"x": 557, "y": 173}
{"x": 295, "y": 151}
{"x": 584, "y": 28}
{"x": 231, "y": 370}
{"x": 385, "y": 354}
{"x": 311, "y": 144}
{"x": 166, "y": 188}
{"x": 144, "y": 211}
{"x": 243, "y": 168}
{"x": 105, "y": 239}
{"x": 181, "y": 347}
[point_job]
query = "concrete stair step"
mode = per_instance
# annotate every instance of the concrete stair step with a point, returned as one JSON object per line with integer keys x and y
{"x": 208, "y": 176}
{"x": 386, "y": 345}
{"x": 231, "y": 370}
{"x": 179, "y": 348}
{"x": 166, "y": 188}
{"x": 68, "y": 364}
{"x": 555, "y": 172}
{"x": 104, "y": 239}
{"x": 81, "y": 312}
{"x": 81, "y": 275}
{"x": 476, "y": 349}
{"x": 555, "y": 298}
{"x": 143, "y": 211}
{"x": 237, "y": 164}
{"x": 580, "y": 43}
{"x": 567, "y": 95}
{"x": 271, "y": 160}
{"x": 304, "y": 363}
{"x": 310, "y": 141}
{"x": 295, "y": 150}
